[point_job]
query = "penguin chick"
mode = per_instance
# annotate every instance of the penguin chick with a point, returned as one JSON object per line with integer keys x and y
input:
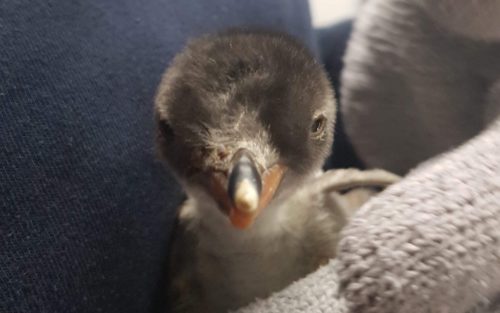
{"x": 245, "y": 120}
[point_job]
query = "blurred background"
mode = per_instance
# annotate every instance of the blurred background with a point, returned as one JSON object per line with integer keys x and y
{"x": 327, "y": 12}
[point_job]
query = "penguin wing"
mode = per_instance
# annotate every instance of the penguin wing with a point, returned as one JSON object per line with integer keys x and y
{"x": 346, "y": 190}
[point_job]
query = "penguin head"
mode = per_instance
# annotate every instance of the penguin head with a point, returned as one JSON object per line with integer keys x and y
{"x": 242, "y": 116}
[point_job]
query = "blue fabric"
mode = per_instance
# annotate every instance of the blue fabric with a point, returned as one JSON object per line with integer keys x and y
{"x": 85, "y": 209}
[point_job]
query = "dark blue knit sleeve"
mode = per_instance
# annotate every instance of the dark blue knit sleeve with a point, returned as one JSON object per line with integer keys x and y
{"x": 85, "y": 208}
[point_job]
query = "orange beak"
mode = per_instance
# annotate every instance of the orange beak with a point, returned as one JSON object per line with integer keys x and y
{"x": 247, "y": 193}
{"x": 270, "y": 183}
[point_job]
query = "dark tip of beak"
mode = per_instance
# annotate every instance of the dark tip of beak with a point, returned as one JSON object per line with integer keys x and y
{"x": 244, "y": 183}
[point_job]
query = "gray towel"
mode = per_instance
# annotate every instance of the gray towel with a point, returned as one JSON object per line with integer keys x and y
{"x": 418, "y": 88}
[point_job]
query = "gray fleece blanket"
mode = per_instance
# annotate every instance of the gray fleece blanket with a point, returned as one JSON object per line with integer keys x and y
{"x": 421, "y": 90}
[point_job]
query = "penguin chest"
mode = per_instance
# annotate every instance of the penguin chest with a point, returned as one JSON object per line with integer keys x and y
{"x": 254, "y": 269}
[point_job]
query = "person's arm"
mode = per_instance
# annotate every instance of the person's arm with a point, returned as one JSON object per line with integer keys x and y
{"x": 85, "y": 207}
{"x": 432, "y": 242}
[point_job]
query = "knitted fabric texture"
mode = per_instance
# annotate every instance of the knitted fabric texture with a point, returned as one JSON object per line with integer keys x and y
{"x": 432, "y": 242}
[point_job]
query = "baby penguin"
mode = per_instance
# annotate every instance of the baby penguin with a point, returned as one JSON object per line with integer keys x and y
{"x": 245, "y": 121}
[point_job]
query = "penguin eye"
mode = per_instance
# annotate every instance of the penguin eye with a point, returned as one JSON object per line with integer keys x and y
{"x": 166, "y": 130}
{"x": 318, "y": 125}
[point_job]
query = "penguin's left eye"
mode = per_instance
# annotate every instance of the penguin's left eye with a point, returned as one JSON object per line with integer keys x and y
{"x": 318, "y": 125}
{"x": 166, "y": 130}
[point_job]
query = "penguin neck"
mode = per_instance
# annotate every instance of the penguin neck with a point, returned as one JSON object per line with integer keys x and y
{"x": 278, "y": 218}
{"x": 215, "y": 226}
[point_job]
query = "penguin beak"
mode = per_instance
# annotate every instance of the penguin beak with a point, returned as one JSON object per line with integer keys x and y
{"x": 247, "y": 191}
{"x": 244, "y": 184}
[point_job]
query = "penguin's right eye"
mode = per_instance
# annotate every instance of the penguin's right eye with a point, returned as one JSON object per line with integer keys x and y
{"x": 318, "y": 125}
{"x": 166, "y": 130}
